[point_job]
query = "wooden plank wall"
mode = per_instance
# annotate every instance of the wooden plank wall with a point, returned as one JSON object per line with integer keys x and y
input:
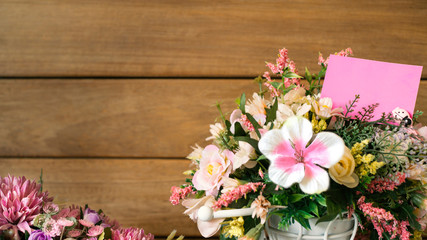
{"x": 108, "y": 96}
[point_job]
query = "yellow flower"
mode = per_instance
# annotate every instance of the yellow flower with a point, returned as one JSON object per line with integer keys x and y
{"x": 367, "y": 165}
{"x": 358, "y": 147}
{"x": 318, "y": 126}
{"x": 234, "y": 228}
{"x": 343, "y": 171}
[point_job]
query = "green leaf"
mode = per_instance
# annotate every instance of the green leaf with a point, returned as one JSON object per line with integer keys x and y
{"x": 321, "y": 73}
{"x": 409, "y": 212}
{"x": 313, "y": 208}
{"x": 242, "y": 103}
{"x": 321, "y": 200}
{"x": 296, "y": 197}
{"x": 271, "y": 116}
{"x": 308, "y": 75}
{"x": 262, "y": 157}
{"x": 27, "y": 235}
{"x": 417, "y": 199}
{"x": 238, "y": 130}
{"x": 291, "y": 75}
{"x": 288, "y": 89}
{"x": 277, "y": 85}
{"x": 304, "y": 214}
{"x": 199, "y": 194}
{"x": 255, "y": 124}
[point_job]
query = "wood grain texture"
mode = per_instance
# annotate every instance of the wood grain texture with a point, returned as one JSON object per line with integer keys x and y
{"x": 116, "y": 118}
{"x": 111, "y": 118}
{"x": 135, "y": 192}
{"x": 201, "y": 38}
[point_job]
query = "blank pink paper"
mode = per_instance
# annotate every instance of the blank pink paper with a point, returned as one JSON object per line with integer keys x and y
{"x": 389, "y": 84}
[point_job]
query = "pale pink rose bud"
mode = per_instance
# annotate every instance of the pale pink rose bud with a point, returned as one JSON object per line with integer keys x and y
{"x": 74, "y": 233}
{"x": 95, "y": 231}
{"x": 85, "y": 223}
{"x": 65, "y": 222}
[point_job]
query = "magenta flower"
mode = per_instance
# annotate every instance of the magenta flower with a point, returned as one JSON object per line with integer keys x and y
{"x": 39, "y": 235}
{"x": 130, "y": 233}
{"x": 21, "y": 201}
{"x": 297, "y": 156}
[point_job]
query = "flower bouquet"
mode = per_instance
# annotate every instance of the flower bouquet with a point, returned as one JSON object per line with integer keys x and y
{"x": 288, "y": 155}
{"x": 29, "y": 213}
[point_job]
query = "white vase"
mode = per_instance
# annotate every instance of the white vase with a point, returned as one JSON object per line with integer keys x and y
{"x": 337, "y": 229}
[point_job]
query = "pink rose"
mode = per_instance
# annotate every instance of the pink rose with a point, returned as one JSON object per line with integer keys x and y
{"x": 214, "y": 165}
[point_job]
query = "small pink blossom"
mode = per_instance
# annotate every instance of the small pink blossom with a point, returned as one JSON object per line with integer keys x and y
{"x": 50, "y": 208}
{"x": 345, "y": 53}
{"x": 179, "y": 193}
{"x": 52, "y": 228}
{"x": 95, "y": 231}
{"x": 261, "y": 173}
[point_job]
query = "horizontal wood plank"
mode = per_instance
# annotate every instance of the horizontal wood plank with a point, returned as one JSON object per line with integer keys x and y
{"x": 117, "y": 118}
{"x": 135, "y": 192}
{"x": 113, "y": 118}
{"x": 201, "y": 38}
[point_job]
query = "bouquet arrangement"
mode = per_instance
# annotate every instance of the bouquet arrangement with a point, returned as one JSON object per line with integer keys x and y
{"x": 287, "y": 151}
{"x": 29, "y": 213}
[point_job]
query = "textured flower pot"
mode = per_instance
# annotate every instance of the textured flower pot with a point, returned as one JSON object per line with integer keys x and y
{"x": 338, "y": 229}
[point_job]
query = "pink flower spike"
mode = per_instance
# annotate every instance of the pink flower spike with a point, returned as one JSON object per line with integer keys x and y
{"x": 95, "y": 231}
{"x": 85, "y": 223}
{"x": 292, "y": 161}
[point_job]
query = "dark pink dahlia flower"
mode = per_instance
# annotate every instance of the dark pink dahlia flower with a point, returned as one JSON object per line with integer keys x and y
{"x": 130, "y": 233}
{"x": 21, "y": 201}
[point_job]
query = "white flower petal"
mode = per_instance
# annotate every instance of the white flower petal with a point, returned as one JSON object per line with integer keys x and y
{"x": 316, "y": 180}
{"x": 303, "y": 109}
{"x": 298, "y": 129}
{"x": 269, "y": 142}
{"x": 286, "y": 178}
{"x": 326, "y": 149}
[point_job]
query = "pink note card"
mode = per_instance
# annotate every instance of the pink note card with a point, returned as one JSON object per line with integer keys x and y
{"x": 389, "y": 84}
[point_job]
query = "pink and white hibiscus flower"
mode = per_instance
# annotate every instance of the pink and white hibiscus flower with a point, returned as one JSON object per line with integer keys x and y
{"x": 297, "y": 157}
{"x": 214, "y": 166}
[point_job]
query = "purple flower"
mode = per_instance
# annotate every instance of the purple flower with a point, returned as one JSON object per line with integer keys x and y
{"x": 39, "y": 235}
{"x": 90, "y": 215}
